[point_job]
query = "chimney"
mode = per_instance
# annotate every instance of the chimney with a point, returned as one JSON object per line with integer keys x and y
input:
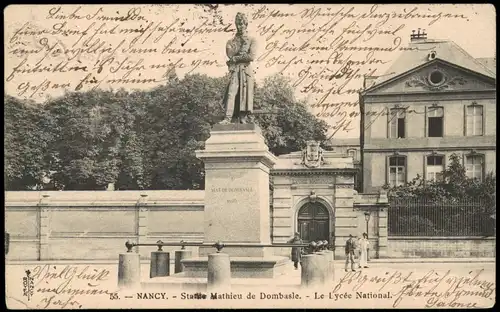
{"x": 368, "y": 81}
{"x": 420, "y": 36}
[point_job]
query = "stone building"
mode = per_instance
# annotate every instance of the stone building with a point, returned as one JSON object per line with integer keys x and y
{"x": 351, "y": 147}
{"x": 433, "y": 101}
{"x": 317, "y": 198}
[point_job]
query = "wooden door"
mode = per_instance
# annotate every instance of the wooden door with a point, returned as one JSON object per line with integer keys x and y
{"x": 313, "y": 222}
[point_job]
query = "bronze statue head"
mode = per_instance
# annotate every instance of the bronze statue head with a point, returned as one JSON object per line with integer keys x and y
{"x": 241, "y": 22}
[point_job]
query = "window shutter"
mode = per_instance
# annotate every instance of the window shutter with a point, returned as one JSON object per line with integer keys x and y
{"x": 483, "y": 119}
{"x": 425, "y": 169}
{"x": 389, "y": 122}
{"x": 465, "y": 120}
{"x": 425, "y": 122}
{"x": 387, "y": 169}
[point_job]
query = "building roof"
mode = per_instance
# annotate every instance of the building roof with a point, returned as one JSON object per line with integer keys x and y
{"x": 489, "y": 62}
{"x": 445, "y": 50}
{"x": 344, "y": 142}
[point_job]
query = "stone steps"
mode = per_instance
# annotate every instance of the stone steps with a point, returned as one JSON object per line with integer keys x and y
{"x": 290, "y": 278}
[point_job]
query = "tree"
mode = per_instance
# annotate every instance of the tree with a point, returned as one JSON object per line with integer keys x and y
{"x": 289, "y": 124}
{"x": 88, "y": 131}
{"x": 133, "y": 148}
{"x": 25, "y": 144}
{"x": 178, "y": 119}
{"x": 148, "y": 139}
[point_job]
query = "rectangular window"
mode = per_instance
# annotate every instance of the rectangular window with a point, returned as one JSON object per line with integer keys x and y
{"x": 435, "y": 168}
{"x": 397, "y": 123}
{"x": 474, "y": 166}
{"x": 397, "y": 171}
{"x": 474, "y": 119}
{"x": 435, "y": 121}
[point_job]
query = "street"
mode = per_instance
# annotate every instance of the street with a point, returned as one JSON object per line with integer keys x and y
{"x": 389, "y": 285}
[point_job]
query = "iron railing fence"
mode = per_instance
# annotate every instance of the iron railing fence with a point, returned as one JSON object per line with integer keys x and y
{"x": 424, "y": 217}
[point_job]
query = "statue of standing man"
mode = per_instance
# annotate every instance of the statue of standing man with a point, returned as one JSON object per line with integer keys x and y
{"x": 241, "y": 49}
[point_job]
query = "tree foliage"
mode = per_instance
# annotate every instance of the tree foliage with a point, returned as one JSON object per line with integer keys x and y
{"x": 25, "y": 144}
{"x": 455, "y": 185}
{"x": 286, "y": 122}
{"x": 89, "y": 130}
{"x": 138, "y": 139}
{"x": 459, "y": 204}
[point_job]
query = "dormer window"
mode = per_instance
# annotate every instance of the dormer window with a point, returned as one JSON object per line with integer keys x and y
{"x": 432, "y": 55}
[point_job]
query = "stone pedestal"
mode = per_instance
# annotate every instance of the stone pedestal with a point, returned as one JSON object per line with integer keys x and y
{"x": 241, "y": 267}
{"x": 237, "y": 164}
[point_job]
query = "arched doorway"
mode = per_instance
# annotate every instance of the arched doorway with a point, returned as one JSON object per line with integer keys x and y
{"x": 313, "y": 222}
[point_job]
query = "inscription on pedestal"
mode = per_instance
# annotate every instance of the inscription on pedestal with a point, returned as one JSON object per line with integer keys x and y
{"x": 232, "y": 191}
{"x": 233, "y": 203}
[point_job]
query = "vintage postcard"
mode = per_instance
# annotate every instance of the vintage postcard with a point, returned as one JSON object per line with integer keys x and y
{"x": 250, "y": 156}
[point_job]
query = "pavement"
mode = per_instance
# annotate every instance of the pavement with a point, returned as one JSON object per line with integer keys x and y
{"x": 472, "y": 275}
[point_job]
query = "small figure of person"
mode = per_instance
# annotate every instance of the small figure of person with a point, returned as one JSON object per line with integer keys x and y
{"x": 350, "y": 247}
{"x": 296, "y": 251}
{"x": 363, "y": 248}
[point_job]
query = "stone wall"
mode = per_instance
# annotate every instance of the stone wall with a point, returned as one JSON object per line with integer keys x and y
{"x": 95, "y": 225}
{"x": 441, "y": 247}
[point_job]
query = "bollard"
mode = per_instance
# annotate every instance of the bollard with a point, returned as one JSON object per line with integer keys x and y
{"x": 312, "y": 273}
{"x": 179, "y": 256}
{"x": 331, "y": 270}
{"x": 219, "y": 272}
{"x": 129, "y": 270}
{"x": 324, "y": 262}
{"x": 160, "y": 264}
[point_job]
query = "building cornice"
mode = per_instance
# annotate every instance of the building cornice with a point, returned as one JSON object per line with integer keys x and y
{"x": 398, "y": 97}
{"x": 428, "y": 149}
{"x": 321, "y": 171}
{"x": 426, "y": 92}
{"x": 168, "y": 205}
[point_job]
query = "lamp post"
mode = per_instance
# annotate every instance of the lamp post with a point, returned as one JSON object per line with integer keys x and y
{"x": 367, "y": 219}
